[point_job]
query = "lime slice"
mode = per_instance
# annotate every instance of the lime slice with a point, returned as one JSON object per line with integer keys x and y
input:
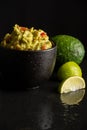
{"x": 72, "y": 98}
{"x": 72, "y": 84}
{"x": 69, "y": 69}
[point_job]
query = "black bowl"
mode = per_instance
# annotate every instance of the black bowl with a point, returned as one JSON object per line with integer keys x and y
{"x": 26, "y": 69}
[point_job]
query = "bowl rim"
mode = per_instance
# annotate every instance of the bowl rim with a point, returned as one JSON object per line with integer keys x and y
{"x": 54, "y": 46}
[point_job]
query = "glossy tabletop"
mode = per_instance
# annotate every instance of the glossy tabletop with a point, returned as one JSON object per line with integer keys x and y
{"x": 43, "y": 108}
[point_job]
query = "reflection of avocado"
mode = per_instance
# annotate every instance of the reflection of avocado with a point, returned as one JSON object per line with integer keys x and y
{"x": 72, "y": 97}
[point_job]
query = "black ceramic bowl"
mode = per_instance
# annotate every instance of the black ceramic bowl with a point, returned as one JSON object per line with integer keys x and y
{"x": 26, "y": 69}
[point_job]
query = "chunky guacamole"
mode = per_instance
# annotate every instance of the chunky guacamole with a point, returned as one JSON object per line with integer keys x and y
{"x": 24, "y": 38}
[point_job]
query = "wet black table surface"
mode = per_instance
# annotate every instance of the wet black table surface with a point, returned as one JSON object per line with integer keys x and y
{"x": 42, "y": 108}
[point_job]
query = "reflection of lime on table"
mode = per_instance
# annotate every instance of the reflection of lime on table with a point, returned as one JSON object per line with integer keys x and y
{"x": 73, "y": 83}
{"x": 72, "y": 97}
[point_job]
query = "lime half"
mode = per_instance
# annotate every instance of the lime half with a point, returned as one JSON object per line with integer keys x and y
{"x": 72, "y": 84}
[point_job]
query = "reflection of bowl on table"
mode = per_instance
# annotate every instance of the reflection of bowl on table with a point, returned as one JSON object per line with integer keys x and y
{"x": 26, "y": 68}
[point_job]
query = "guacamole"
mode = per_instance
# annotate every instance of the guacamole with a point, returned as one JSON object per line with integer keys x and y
{"x": 24, "y": 38}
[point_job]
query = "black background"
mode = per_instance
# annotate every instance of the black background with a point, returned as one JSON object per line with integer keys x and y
{"x": 25, "y": 110}
{"x": 53, "y": 16}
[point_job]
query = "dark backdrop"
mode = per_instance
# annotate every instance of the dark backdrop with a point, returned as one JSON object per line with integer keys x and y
{"x": 53, "y": 16}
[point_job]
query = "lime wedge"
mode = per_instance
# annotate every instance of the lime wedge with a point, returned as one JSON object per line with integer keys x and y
{"x": 72, "y": 84}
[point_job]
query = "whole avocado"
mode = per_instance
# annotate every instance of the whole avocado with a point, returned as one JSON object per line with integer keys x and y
{"x": 69, "y": 48}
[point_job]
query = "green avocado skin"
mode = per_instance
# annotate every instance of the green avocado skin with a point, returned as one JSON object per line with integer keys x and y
{"x": 69, "y": 48}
